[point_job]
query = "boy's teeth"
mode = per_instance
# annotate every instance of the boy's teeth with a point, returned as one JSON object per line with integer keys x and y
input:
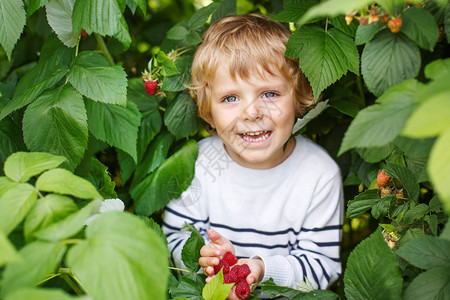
{"x": 256, "y": 136}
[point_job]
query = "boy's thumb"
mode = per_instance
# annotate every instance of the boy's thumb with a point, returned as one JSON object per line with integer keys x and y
{"x": 214, "y": 236}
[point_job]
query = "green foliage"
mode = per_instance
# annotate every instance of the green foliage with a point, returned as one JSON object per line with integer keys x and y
{"x": 216, "y": 289}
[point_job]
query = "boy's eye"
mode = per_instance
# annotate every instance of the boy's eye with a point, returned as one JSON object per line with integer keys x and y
{"x": 230, "y": 99}
{"x": 269, "y": 94}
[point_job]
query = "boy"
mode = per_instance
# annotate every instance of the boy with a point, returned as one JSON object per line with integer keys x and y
{"x": 273, "y": 200}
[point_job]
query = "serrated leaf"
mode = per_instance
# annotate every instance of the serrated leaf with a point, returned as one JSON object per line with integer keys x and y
{"x": 65, "y": 182}
{"x": 324, "y": 57}
{"x": 49, "y": 71}
{"x": 11, "y": 137}
{"x": 226, "y": 8}
{"x": 382, "y": 207}
{"x": 59, "y": 16}
{"x": 415, "y": 213}
{"x": 56, "y": 122}
{"x": 372, "y": 271}
{"x": 407, "y": 177}
{"x": 362, "y": 203}
{"x": 420, "y": 26}
{"x": 168, "y": 67}
{"x": 340, "y": 23}
{"x": 167, "y": 182}
{"x": 40, "y": 260}
{"x": 215, "y": 289}
{"x": 15, "y": 204}
{"x": 9, "y": 253}
{"x": 293, "y": 12}
{"x": 379, "y": 124}
{"x": 12, "y": 20}
{"x": 48, "y": 210}
{"x": 439, "y": 168}
{"x": 34, "y": 5}
{"x": 388, "y": 60}
{"x": 177, "y": 32}
{"x": 94, "y": 78}
{"x": 21, "y": 166}
{"x": 69, "y": 226}
{"x": 179, "y": 82}
{"x": 142, "y": 5}
{"x": 128, "y": 252}
{"x": 437, "y": 68}
{"x": 187, "y": 289}
{"x": 40, "y": 294}
{"x": 115, "y": 125}
{"x": 202, "y": 15}
{"x": 99, "y": 176}
{"x": 415, "y": 148}
{"x": 270, "y": 288}
{"x": 181, "y": 116}
{"x": 190, "y": 253}
{"x": 375, "y": 154}
{"x": 365, "y": 33}
{"x": 426, "y": 252}
{"x": 432, "y": 284}
{"x": 108, "y": 20}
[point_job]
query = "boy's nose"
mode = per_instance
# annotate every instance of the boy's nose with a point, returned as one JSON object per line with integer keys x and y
{"x": 252, "y": 111}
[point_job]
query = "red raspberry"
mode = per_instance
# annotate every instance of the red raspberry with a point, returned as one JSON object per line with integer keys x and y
{"x": 222, "y": 264}
{"x": 230, "y": 258}
{"x": 382, "y": 178}
{"x": 242, "y": 290}
{"x": 243, "y": 272}
{"x": 150, "y": 87}
{"x": 231, "y": 277}
{"x": 395, "y": 24}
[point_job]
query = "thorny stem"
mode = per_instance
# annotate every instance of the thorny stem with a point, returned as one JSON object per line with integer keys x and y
{"x": 103, "y": 49}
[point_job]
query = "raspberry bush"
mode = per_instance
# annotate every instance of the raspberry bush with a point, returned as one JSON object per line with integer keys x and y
{"x": 94, "y": 106}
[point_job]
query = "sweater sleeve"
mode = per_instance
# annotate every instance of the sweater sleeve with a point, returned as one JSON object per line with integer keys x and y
{"x": 316, "y": 251}
{"x": 178, "y": 212}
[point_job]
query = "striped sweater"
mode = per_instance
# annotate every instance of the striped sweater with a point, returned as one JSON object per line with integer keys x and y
{"x": 290, "y": 216}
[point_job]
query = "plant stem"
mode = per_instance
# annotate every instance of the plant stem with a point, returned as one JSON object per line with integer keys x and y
{"x": 103, "y": 49}
{"x": 72, "y": 241}
{"x": 51, "y": 276}
{"x": 326, "y": 25}
{"x": 72, "y": 284}
{"x": 182, "y": 270}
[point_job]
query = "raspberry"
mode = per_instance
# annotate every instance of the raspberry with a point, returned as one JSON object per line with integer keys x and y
{"x": 243, "y": 272}
{"x": 231, "y": 277}
{"x": 382, "y": 178}
{"x": 222, "y": 264}
{"x": 150, "y": 87}
{"x": 363, "y": 21}
{"x": 395, "y": 24}
{"x": 230, "y": 258}
{"x": 242, "y": 290}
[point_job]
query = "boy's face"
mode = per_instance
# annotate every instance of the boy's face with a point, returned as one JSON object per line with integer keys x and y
{"x": 254, "y": 117}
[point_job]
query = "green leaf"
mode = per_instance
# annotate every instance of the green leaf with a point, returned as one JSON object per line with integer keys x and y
{"x": 379, "y": 124}
{"x": 187, "y": 288}
{"x": 69, "y": 226}
{"x": 167, "y": 182}
{"x": 216, "y": 289}
{"x": 179, "y": 82}
{"x": 294, "y": 11}
{"x": 190, "y": 253}
{"x": 177, "y": 32}
{"x": 49, "y": 71}
{"x": 202, "y": 15}
{"x": 365, "y": 33}
{"x": 15, "y": 203}
{"x": 375, "y": 154}
{"x": 59, "y": 16}
{"x": 362, "y": 203}
{"x": 324, "y": 57}
{"x": 426, "y": 252}
{"x": 382, "y": 207}
{"x": 94, "y": 78}
{"x": 420, "y": 26}
{"x": 142, "y": 5}
{"x": 21, "y": 166}
{"x": 226, "y": 8}
{"x": 168, "y": 67}
{"x": 432, "y": 284}
{"x": 64, "y": 182}
{"x": 181, "y": 116}
{"x": 40, "y": 260}
{"x": 99, "y": 176}
{"x": 372, "y": 271}
{"x": 270, "y": 288}
{"x": 155, "y": 155}
{"x": 9, "y": 253}
{"x": 12, "y": 20}
{"x": 388, "y": 60}
{"x": 101, "y": 16}
{"x": 415, "y": 213}
{"x": 48, "y": 210}
{"x": 407, "y": 177}
{"x": 56, "y": 123}
{"x": 437, "y": 68}
{"x": 340, "y": 23}
{"x": 34, "y": 5}
{"x": 439, "y": 168}
{"x": 415, "y": 148}
{"x": 346, "y": 107}
{"x": 39, "y": 294}
{"x": 11, "y": 137}
{"x": 129, "y": 253}
{"x": 115, "y": 125}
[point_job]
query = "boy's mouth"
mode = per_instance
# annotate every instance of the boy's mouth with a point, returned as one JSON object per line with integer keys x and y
{"x": 255, "y": 136}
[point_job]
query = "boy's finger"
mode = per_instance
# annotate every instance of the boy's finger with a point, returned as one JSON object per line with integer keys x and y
{"x": 209, "y": 250}
{"x": 208, "y": 261}
{"x": 216, "y": 237}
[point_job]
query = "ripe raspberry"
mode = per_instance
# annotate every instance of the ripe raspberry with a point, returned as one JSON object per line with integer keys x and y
{"x": 243, "y": 272}
{"x": 222, "y": 264}
{"x": 395, "y": 24}
{"x": 242, "y": 290}
{"x": 230, "y": 258}
{"x": 363, "y": 20}
{"x": 382, "y": 178}
{"x": 150, "y": 87}
{"x": 231, "y": 277}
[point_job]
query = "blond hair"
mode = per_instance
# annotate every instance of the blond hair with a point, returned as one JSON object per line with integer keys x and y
{"x": 244, "y": 43}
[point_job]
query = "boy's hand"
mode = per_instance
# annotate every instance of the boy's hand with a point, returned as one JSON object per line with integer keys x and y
{"x": 212, "y": 252}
